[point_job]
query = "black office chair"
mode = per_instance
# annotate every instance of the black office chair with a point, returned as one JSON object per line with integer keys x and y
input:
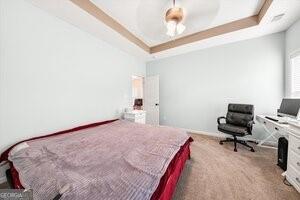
{"x": 239, "y": 122}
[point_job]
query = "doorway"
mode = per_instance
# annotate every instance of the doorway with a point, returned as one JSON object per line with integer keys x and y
{"x": 145, "y": 96}
{"x": 137, "y": 92}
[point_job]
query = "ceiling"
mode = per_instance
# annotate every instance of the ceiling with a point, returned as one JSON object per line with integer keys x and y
{"x": 138, "y": 24}
{"x": 145, "y": 18}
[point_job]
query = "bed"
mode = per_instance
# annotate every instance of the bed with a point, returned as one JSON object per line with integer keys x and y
{"x": 83, "y": 159}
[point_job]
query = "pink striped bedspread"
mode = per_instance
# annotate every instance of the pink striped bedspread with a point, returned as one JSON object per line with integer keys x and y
{"x": 119, "y": 160}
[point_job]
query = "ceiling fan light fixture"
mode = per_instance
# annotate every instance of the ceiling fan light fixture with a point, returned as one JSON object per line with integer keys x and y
{"x": 171, "y": 28}
{"x": 173, "y": 19}
{"x": 170, "y": 33}
{"x": 180, "y": 28}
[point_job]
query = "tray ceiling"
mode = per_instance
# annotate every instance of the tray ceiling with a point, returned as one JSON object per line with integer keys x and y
{"x": 145, "y": 18}
{"x": 256, "y": 18}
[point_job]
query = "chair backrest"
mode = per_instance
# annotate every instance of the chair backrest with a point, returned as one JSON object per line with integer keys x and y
{"x": 240, "y": 114}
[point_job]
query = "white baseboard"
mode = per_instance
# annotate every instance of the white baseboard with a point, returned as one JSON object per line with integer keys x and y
{"x": 222, "y": 135}
{"x": 219, "y": 135}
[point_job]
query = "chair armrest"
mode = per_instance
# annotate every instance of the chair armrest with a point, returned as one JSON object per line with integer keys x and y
{"x": 219, "y": 119}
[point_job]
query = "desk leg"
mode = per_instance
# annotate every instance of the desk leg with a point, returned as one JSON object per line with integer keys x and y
{"x": 272, "y": 135}
{"x": 261, "y": 143}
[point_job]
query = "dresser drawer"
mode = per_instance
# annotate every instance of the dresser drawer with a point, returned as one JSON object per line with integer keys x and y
{"x": 141, "y": 120}
{"x": 294, "y": 160}
{"x": 294, "y": 144}
{"x": 139, "y": 115}
{"x": 129, "y": 115}
{"x": 293, "y": 177}
{"x": 136, "y": 116}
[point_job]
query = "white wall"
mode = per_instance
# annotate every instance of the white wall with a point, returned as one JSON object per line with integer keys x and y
{"x": 54, "y": 76}
{"x": 195, "y": 88}
{"x": 292, "y": 46}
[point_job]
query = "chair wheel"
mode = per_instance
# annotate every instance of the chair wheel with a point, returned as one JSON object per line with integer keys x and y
{"x": 221, "y": 143}
{"x": 235, "y": 150}
{"x": 252, "y": 150}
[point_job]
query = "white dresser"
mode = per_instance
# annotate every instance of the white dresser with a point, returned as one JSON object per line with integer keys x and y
{"x": 293, "y": 166}
{"x": 138, "y": 116}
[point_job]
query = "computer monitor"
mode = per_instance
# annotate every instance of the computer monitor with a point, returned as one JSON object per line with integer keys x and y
{"x": 289, "y": 108}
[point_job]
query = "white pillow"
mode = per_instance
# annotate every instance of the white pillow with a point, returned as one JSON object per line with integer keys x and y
{"x": 19, "y": 147}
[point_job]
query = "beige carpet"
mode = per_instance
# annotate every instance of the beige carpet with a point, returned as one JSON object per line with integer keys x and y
{"x": 217, "y": 172}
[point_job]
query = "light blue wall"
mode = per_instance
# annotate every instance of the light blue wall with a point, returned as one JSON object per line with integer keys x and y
{"x": 53, "y": 76}
{"x": 195, "y": 88}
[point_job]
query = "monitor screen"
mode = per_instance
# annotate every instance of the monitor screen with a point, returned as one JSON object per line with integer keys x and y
{"x": 289, "y": 107}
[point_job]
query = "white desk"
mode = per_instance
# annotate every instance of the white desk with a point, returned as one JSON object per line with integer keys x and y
{"x": 292, "y": 132}
{"x": 274, "y": 129}
{"x": 293, "y": 164}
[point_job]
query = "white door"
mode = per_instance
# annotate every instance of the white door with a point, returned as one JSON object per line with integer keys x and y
{"x": 151, "y": 98}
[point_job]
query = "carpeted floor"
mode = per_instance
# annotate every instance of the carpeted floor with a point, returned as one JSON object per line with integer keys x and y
{"x": 217, "y": 172}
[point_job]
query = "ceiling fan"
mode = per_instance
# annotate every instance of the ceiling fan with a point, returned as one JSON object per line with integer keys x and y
{"x": 173, "y": 19}
{"x": 152, "y": 18}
